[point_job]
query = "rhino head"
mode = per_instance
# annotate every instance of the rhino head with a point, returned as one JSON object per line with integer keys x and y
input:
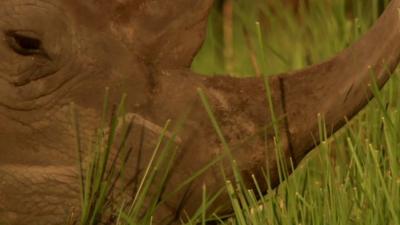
{"x": 57, "y": 52}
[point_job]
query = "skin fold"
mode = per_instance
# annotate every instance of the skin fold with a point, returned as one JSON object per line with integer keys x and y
{"x": 57, "y": 52}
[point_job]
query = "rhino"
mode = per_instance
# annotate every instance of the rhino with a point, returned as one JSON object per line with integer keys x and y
{"x": 62, "y": 51}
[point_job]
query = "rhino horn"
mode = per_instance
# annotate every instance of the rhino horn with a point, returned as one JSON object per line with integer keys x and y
{"x": 336, "y": 89}
{"x": 340, "y": 87}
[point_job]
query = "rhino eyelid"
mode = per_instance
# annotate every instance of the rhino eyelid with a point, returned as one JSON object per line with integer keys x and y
{"x": 25, "y": 43}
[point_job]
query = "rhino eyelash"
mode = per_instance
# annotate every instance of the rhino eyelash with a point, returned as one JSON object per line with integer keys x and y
{"x": 25, "y": 43}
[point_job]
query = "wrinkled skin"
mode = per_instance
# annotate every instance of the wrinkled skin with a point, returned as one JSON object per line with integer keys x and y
{"x": 62, "y": 51}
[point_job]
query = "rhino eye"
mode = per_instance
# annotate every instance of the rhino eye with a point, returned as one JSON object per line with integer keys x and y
{"x": 24, "y": 43}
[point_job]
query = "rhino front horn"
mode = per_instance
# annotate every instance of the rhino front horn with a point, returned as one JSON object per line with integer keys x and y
{"x": 336, "y": 89}
{"x": 340, "y": 87}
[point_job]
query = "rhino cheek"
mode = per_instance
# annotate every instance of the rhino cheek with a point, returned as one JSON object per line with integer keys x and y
{"x": 38, "y": 195}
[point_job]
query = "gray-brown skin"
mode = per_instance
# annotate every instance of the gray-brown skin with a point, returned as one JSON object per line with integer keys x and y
{"x": 54, "y": 52}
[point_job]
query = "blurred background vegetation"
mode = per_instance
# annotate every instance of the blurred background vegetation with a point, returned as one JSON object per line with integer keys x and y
{"x": 296, "y": 33}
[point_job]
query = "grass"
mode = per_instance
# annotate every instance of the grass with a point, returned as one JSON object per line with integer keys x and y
{"x": 353, "y": 177}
